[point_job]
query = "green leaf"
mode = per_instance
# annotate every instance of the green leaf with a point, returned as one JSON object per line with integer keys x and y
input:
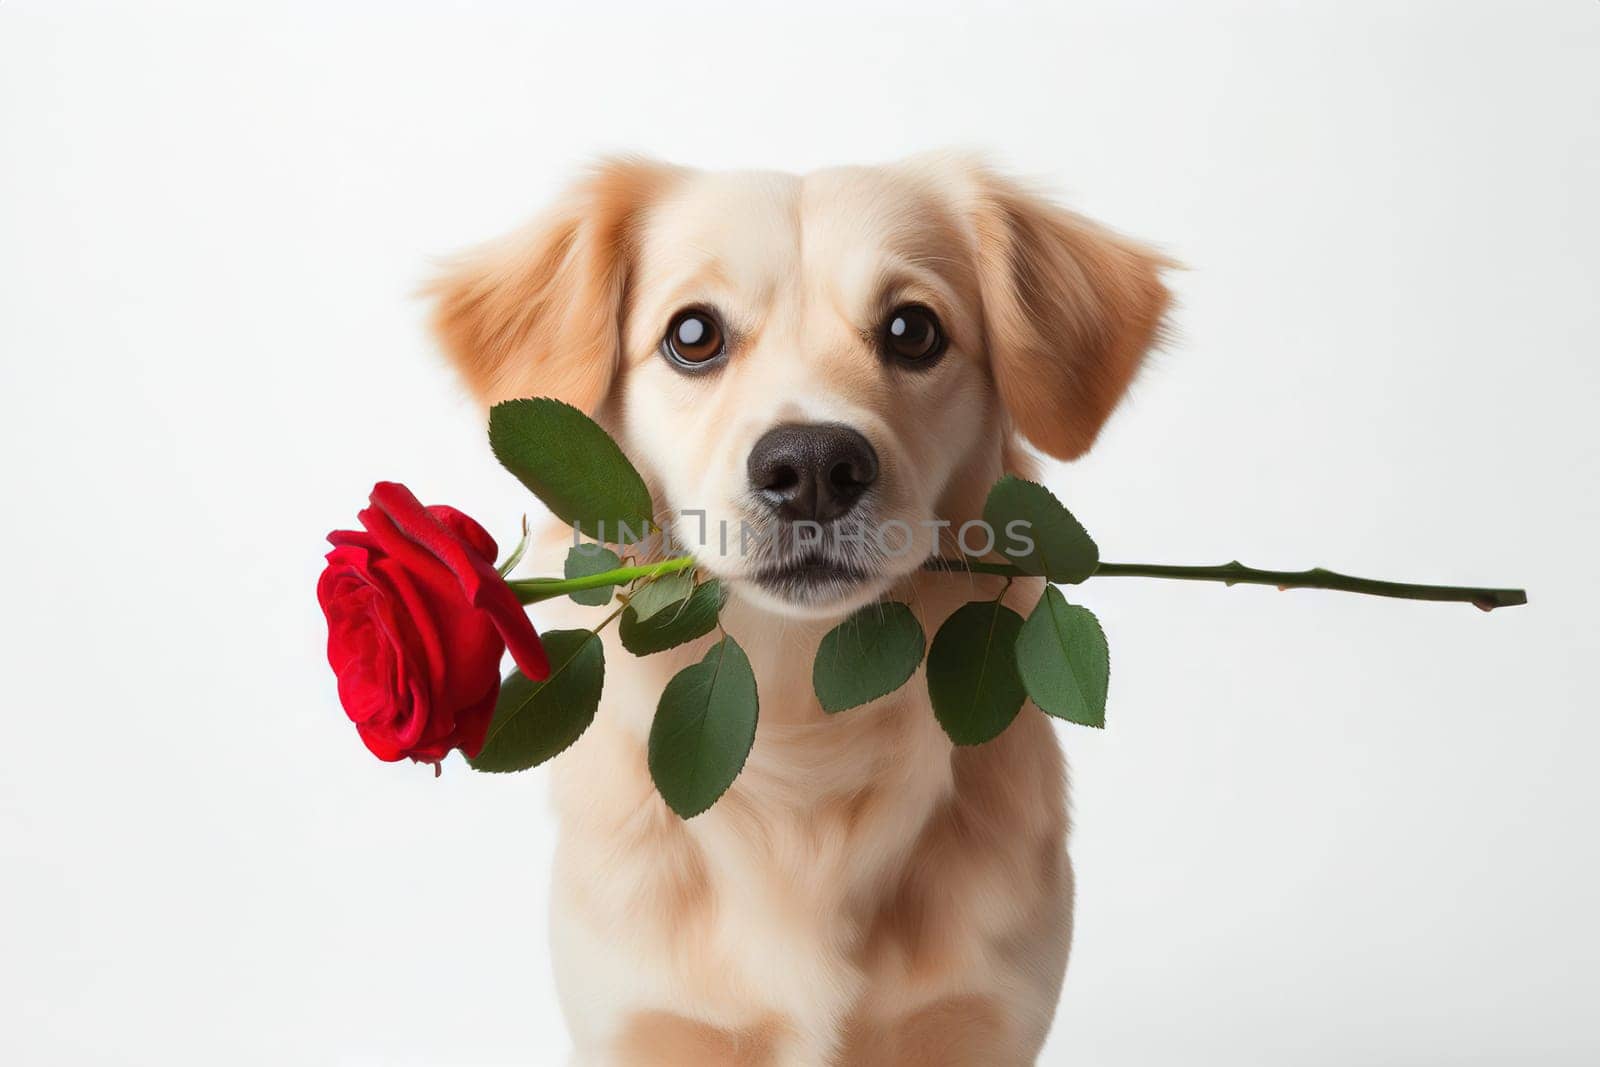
{"x": 972, "y": 672}
{"x": 1062, "y": 550}
{"x": 869, "y": 655}
{"x": 516, "y": 553}
{"x": 584, "y": 560}
{"x": 572, "y": 465}
{"x": 664, "y": 591}
{"x": 693, "y": 618}
{"x": 703, "y": 729}
{"x": 1063, "y": 660}
{"x": 536, "y": 720}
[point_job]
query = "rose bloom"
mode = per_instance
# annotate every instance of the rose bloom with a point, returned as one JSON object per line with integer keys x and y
{"x": 417, "y": 622}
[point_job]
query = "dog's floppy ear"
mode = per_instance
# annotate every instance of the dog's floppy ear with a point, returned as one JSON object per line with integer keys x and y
{"x": 539, "y": 313}
{"x": 1070, "y": 310}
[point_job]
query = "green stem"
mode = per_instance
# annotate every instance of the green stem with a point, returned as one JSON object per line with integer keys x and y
{"x": 1236, "y": 573}
{"x": 533, "y": 590}
{"x": 609, "y": 619}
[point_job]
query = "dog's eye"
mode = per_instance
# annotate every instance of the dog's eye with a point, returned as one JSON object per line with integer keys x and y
{"x": 912, "y": 333}
{"x": 694, "y": 338}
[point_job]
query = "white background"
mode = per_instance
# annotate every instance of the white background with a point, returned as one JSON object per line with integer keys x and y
{"x": 1320, "y": 829}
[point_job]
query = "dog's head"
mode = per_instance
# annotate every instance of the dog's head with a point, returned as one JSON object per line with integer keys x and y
{"x": 816, "y": 373}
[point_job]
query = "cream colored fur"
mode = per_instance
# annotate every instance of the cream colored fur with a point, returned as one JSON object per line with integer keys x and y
{"x": 864, "y": 894}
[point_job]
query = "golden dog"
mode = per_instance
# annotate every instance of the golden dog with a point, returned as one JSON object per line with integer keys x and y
{"x": 853, "y": 348}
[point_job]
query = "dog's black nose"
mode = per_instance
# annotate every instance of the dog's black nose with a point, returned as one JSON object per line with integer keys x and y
{"x": 814, "y": 472}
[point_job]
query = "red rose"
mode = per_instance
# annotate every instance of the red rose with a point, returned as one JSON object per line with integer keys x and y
{"x": 417, "y": 622}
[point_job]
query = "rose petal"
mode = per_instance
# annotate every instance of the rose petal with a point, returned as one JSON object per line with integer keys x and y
{"x": 484, "y": 588}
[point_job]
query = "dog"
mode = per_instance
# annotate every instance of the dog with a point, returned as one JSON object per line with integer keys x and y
{"x": 851, "y": 347}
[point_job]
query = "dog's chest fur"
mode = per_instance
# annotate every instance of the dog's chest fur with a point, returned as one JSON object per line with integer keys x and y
{"x": 858, "y": 875}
